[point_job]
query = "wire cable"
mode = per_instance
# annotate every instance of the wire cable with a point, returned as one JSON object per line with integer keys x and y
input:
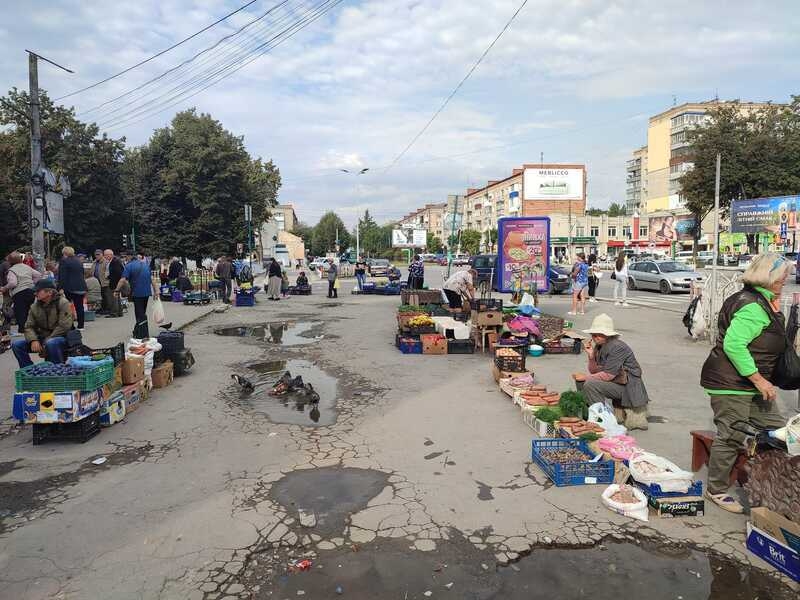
{"x": 162, "y": 52}
{"x": 457, "y": 88}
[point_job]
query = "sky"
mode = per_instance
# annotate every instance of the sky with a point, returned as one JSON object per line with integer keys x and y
{"x": 572, "y": 80}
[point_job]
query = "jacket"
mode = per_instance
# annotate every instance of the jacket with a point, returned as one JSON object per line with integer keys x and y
{"x": 333, "y": 272}
{"x": 275, "y": 269}
{"x": 115, "y": 269}
{"x": 50, "y": 320}
{"x": 718, "y": 372}
{"x": 223, "y": 270}
{"x": 615, "y": 356}
{"x": 70, "y": 275}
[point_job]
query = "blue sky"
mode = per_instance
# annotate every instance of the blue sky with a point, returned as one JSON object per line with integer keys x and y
{"x": 574, "y": 79}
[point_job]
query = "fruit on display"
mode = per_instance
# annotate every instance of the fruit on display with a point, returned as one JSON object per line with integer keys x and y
{"x": 420, "y": 321}
{"x": 46, "y": 369}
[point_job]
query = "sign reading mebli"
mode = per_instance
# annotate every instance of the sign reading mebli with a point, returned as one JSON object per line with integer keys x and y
{"x": 549, "y": 182}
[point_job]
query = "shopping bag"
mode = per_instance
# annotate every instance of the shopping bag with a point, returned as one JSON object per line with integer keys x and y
{"x": 158, "y": 311}
{"x": 336, "y": 284}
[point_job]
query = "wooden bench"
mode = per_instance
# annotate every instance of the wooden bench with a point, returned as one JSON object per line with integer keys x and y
{"x": 701, "y": 451}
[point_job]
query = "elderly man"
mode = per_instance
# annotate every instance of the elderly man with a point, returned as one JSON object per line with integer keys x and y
{"x": 614, "y": 375}
{"x": 113, "y": 268}
{"x": 459, "y": 287}
{"x": 49, "y": 319}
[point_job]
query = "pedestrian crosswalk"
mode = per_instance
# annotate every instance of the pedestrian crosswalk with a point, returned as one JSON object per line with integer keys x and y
{"x": 674, "y": 302}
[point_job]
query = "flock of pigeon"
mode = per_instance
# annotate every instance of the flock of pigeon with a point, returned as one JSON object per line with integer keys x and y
{"x": 285, "y": 385}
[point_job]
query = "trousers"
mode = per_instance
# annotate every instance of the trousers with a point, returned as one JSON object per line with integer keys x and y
{"x": 141, "y": 328}
{"x": 77, "y": 302}
{"x": 54, "y": 351}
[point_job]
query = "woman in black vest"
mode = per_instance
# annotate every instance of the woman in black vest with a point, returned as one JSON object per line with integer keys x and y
{"x": 751, "y": 338}
{"x": 72, "y": 282}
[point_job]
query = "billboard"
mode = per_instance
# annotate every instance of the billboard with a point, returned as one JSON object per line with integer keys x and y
{"x": 671, "y": 228}
{"x": 524, "y": 253}
{"x": 776, "y": 215}
{"x": 733, "y": 243}
{"x": 409, "y": 238}
{"x": 553, "y": 183}
{"x": 53, "y": 221}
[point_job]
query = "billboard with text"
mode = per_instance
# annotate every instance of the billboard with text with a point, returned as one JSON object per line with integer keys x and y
{"x": 553, "y": 183}
{"x": 409, "y": 238}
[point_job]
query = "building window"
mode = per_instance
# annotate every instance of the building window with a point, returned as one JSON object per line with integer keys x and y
{"x": 594, "y": 231}
{"x": 612, "y": 231}
{"x": 626, "y": 231}
{"x": 678, "y": 138}
{"x": 579, "y": 231}
{"x": 642, "y": 231}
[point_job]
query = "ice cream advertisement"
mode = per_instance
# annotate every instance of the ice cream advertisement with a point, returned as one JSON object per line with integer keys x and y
{"x": 524, "y": 253}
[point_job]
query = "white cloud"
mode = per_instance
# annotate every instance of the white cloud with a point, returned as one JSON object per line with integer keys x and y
{"x": 354, "y": 88}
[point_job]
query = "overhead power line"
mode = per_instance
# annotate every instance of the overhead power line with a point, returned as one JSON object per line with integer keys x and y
{"x": 458, "y": 87}
{"x": 211, "y": 77}
{"x": 161, "y": 53}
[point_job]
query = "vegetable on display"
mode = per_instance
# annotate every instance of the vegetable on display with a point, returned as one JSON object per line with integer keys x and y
{"x": 573, "y": 404}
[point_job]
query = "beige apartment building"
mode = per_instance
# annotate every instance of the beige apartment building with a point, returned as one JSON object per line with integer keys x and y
{"x": 430, "y": 218}
{"x": 497, "y": 199}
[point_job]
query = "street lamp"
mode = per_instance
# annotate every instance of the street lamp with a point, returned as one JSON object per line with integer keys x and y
{"x": 358, "y": 240}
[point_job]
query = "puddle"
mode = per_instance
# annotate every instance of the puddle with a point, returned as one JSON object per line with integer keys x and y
{"x": 283, "y": 333}
{"x": 292, "y": 408}
{"x": 332, "y": 494}
{"x": 387, "y": 568}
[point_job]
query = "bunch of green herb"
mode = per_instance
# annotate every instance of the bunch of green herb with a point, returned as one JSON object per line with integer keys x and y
{"x": 548, "y": 414}
{"x": 573, "y": 404}
{"x": 589, "y": 436}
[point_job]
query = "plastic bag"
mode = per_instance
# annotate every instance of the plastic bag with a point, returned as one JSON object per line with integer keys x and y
{"x": 602, "y": 415}
{"x": 793, "y": 436}
{"x": 158, "y": 311}
{"x": 669, "y": 476}
{"x": 637, "y": 510}
{"x": 527, "y": 300}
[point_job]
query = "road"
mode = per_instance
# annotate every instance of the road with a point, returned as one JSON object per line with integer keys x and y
{"x": 413, "y": 476}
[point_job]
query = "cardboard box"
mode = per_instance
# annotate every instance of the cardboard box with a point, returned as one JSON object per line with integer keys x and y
{"x": 487, "y": 319}
{"x": 498, "y": 374}
{"x": 55, "y": 407}
{"x": 118, "y": 375}
{"x": 770, "y": 550}
{"x": 112, "y": 410}
{"x": 132, "y": 370}
{"x": 162, "y": 375}
{"x": 777, "y": 526}
{"x": 433, "y": 343}
{"x": 681, "y": 506}
{"x": 132, "y": 397}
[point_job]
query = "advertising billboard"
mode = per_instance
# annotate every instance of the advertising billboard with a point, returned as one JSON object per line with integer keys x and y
{"x": 671, "y": 228}
{"x": 409, "y": 238}
{"x": 733, "y": 243}
{"x": 777, "y": 215}
{"x": 524, "y": 253}
{"x": 553, "y": 183}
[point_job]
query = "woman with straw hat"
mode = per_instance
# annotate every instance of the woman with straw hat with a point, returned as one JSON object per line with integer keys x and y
{"x": 614, "y": 376}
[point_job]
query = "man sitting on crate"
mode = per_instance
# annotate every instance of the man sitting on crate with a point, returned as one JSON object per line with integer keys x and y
{"x": 49, "y": 320}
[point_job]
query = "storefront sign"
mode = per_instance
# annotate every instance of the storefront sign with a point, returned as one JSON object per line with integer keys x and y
{"x": 776, "y": 215}
{"x": 671, "y": 228}
{"x": 733, "y": 243}
{"x": 525, "y": 252}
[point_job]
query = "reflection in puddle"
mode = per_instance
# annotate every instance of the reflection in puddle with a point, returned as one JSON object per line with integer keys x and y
{"x": 292, "y": 408}
{"x": 285, "y": 333}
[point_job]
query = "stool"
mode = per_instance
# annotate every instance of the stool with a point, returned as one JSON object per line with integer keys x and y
{"x": 701, "y": 451}
{"x": 484, "y": 336}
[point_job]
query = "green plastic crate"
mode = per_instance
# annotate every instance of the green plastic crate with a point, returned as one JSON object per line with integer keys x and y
{"x": 90, "y": 379}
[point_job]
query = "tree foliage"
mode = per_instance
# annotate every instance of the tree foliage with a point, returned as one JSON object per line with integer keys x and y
{"x": 595, "y": 212}
{"x": 90, "y": 160}
{"x": 760, "y": 153}
{"x": 189, "y": 185}
{"x": 325, "y": 234}
{"x": 471, "y": 241}
{"x": 433, "y": 243}
{"x": 616, "y": 210}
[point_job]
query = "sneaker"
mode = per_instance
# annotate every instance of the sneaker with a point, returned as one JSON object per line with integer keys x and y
{"x": 625, "y": 304}
{"x": 572, "y": 314}
{"x": 583, "y": 312}
{"x": 617, "y": 303}
{"x": 592, "y": 299}
{"x": 726, "y": 502}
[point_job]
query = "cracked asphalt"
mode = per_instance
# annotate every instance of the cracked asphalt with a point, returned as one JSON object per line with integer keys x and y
{"x": 422, "y": 479}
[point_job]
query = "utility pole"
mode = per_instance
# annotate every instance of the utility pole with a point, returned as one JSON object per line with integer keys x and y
{"x": 358, "y": 240}
{"x": 248, "y": 217}
{"x": 452, "y": 235}
{"x": 37, "y": 191}
{"x": 714, "y": 287}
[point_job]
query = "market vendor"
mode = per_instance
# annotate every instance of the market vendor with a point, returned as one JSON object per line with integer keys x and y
{"x": 302, "y": 280}
{"x": 736, "y": 375}
{"x": 460, "y": 285}
{"x": 48, "y": 321}
{"x": 614, "y": 375}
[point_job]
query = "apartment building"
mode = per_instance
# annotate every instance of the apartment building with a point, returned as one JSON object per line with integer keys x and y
{"x": 636, "y": 182}
{"x": 668, "y": 155}
{"x": 453, "y": 218}
{"x": 497, "y": 199}
{"x": 430, "y": 218}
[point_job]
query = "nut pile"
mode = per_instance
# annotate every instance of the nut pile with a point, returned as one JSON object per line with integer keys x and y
{"x": 564, "y": 455}
{"x": 774, "y": 482}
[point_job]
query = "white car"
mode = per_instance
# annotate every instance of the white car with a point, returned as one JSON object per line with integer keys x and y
{"x": 318, "y": 263}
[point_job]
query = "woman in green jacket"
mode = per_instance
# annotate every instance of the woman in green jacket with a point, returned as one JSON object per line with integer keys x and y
{"x": 751, "y": 338}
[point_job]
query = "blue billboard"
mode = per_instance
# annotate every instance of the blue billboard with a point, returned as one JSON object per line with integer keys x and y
{"x": 776, "y": 215}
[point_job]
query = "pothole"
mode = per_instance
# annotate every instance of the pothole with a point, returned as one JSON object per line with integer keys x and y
{"x": 328, "y": 495}
{"x": 389, "y": 568}
{"x": 283, "y": 333}
{"x": 295, "y": 408}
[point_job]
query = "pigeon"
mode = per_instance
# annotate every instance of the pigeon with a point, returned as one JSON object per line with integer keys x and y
{"x": 296, "y": 384}
{"x": 166, "y": 325}
{"x": 245, "y": 384}
{"x": 314, "y": 414}
{"x": 282, "y": 385}
{"x": 313, "y": 396}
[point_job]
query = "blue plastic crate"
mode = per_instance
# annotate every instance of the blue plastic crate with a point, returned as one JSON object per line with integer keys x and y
{"x": 578, "y": 473}
{"x": 410, "y": 345}
{"x": 654, "y": 490}
{"x": 245, "y": 300}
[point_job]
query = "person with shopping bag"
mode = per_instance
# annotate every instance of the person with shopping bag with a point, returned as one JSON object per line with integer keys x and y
{"x": 137, "y": 276}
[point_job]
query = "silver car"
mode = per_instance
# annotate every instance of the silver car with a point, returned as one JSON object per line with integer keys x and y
{"x": 665, "y": 276}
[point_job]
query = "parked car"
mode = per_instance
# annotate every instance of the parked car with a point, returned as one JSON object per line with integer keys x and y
{"x": 378, "y": 267}
{"x": 486, "y": 266}
{"x": 428, "y": 257}
{"x": 559, "y": 279}
{"x": 318, "y": 263}
{"x": 665, "y": 276}
{"x": 460, "y": 259}
{"x": 744, "y": 261}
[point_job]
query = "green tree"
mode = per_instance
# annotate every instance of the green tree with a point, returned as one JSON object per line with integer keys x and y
{"x": 433, "y": 243}
{"x": 491, "y": 238}
{"x": 305, "y": 233}
{"x": 616, "y": 210}
{"x": 369, "y": 233}
{"x": 595, "y": 212}
{"x": 90, "y": 160}
{"x": 325, "y": 235}
{"x": 471, "y": 241}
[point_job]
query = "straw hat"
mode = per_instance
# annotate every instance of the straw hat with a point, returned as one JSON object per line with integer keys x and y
{"x": 602, "y": 324}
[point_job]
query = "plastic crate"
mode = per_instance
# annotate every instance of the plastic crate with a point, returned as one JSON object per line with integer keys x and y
{"x": 245, "y": 300}
{"x": 78, "y": 431}
{"x": 89, "y": 315}
{"x": 654, "y": 490}
{"x": 484, "y": 304}
{"x": 514, "y": 364}
{"x": 419, "y": 330}
{"x": 116, "y": 352}
{"x": 177, "y": 295}
{"x": 90, "y": 379}
{"x": 556, "y": 347}
{"x": 410, "y": 345}
{"x": 578, "y": 473}
{"x": 171, "y": 341}
{"x": 461, "y": 346}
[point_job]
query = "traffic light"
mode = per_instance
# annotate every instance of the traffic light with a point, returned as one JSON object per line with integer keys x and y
{"x": 125, "y": 241}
